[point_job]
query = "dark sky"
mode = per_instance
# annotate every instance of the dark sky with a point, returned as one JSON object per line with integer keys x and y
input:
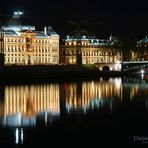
{"x": 99, "y": 16}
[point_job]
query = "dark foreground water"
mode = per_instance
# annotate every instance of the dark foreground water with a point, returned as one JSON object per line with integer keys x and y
{"x": 75, "y": 113}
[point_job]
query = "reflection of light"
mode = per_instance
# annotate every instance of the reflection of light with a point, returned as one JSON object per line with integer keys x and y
{"x": 19, "y": 136}
{"x": 118, "y": 83}
{"x": 24, "y": 103}
{"x": 92, "y": 87}
{"x": 94, "y": 95}
{"x": 46, "y": 117}
{"x": 111, "y": 105}
{"x": 16, "y": 136}
{"x": 142, "y": 76}
{"x": 131, "y": 96}
{"x": 99, "y": 93}
{"x": 22, "y": 135}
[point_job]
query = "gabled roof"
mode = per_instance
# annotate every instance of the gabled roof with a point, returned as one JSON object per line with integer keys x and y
{"x": 40, "y": 34}
{"x": 51, "y": 32}
{"x": 143, "y": 41}
{"x": 10, "y": 33}
{"x": 79, "y": 35}
{"x": 27, "y": 31}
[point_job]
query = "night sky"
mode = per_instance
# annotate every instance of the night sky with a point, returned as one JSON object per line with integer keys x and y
{"x": 97, "y": 16}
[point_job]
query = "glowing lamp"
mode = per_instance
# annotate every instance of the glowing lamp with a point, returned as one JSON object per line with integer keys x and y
{"x": 142, "y": 71}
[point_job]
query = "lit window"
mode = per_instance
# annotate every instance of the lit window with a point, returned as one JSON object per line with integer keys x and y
{"x": 74, "y": 43}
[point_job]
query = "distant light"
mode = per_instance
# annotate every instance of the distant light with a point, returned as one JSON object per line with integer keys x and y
{"x": 20, "y": 13}
{"x": 142, "y": 71}
{"x": 15, "y": 13}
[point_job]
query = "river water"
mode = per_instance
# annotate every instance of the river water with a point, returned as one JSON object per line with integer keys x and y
{"x": 79, "y": 112}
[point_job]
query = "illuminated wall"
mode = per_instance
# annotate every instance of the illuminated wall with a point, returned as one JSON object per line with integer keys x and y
{"x": 92, "y": 50}
{"x": 27, "y": 49}
{"x": 140, "y": 53}
{"x": 23, "y": 45}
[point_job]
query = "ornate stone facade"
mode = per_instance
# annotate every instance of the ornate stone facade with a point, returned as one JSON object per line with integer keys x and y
{"x": 83, "y": 47}
{"x": 23, "y": 45}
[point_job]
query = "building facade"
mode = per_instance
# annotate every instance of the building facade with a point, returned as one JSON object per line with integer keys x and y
{"x": 84, "y": 48}
{"x": 23, "y": 45}
{"x": 141, "y": 51}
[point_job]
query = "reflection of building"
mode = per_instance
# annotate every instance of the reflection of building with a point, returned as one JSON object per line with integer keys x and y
{"x": 24, "y": 45}
{"x": 83, "y": 47}
{"x": 24, "y": 104}
{"x": 135, "y": 88}
{"x": 141, "y": 52}
{"x": 94, "y": 94}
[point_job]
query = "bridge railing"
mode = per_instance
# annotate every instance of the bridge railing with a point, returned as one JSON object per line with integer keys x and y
{"x": 134, "y": 62}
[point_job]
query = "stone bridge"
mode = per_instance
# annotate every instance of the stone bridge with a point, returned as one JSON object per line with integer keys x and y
{"x": 111, "y": 66}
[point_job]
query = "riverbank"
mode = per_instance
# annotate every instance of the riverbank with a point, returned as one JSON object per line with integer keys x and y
{"x": 33, "y": 72}
{"x": 47, "y": 71}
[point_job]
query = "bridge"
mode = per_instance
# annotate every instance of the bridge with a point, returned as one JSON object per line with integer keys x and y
{"x": 126, "y": 66}
{"x": 135, "y": 66}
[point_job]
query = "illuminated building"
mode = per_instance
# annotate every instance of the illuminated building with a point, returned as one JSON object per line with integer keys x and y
{"x": 23, "y": 45}
{"x": 82, "y": 47}
{"x": 140, "y": 53}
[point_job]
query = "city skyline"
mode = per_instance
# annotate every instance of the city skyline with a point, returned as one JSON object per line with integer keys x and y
{"x": 103, "y": 17}
{"x": 73, "y": 72}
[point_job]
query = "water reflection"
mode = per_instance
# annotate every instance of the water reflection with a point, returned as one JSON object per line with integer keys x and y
{"x": 41, "y": 104}
{"x": 24, "y": 104}
{"x": 19, "y": 135}
{"x": 94, "y": 94}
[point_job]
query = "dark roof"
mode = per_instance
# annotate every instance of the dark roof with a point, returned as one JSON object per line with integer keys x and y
{"x": 10, "y": 33}
{"x": 40, "y": 34}
{"x": 80, "y": 35}
{"x": 51, "y": 32}
{"x": 143, "y": 41}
